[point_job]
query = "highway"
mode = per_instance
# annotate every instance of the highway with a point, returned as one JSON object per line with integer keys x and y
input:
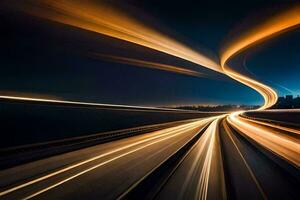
{"x": 151, "y": 153}
{"x": 208, "y": 158}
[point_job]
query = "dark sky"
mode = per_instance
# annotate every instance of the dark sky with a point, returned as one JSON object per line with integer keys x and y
{"x": 48, "y": 58}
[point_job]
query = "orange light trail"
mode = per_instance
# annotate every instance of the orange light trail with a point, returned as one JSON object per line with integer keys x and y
{"x": 152, "y": 65}
{"x": 283, "y": 145}
{"x": 280, "y": 144}
{"x": 291, "y": 130}
{"x": 269, "y": 95}
{"x": 203, "y": 161}
{"x": 80, "y": 103}
{"x": 270, "y": 28}
{"x": 102, "y": 18}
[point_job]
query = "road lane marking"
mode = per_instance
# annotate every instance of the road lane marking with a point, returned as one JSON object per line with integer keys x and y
{"x": 229, "y": 132}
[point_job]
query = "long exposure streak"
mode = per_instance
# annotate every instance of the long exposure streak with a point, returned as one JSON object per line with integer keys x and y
{"x": 103, "y": 19}
{"x": 273, "y": 26}
{"x": 284, "y": 146}
{"x": 79, "y": 103}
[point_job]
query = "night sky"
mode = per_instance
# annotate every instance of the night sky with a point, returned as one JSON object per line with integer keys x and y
{"x": 40, "y": 57}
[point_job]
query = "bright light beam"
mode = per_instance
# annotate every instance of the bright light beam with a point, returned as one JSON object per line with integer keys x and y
{"x": 281, "y": 145}
{"x": 270, "y": 28}
{"x": 102, "y": 18}
{"x": 80, "y": 103}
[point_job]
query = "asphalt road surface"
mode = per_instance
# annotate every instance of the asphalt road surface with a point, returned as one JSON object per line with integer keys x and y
{"x": 219, "y": 157}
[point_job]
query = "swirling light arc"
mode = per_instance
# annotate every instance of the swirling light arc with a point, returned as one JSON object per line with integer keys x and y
{"x": 272, "y": 27}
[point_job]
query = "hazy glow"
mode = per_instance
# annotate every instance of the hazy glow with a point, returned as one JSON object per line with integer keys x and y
{"x": 273, "y": 26}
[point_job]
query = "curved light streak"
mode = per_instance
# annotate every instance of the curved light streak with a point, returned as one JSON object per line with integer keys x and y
{"x": 282, "y": 145}
{"x": 102, "y": 18}
{"x": 287, "y": 129}
{"x": 269, "y": 95}
{"x": 275, "y": 25}
{"x": 270, "y": 28}
{"x": 152, "y": 65}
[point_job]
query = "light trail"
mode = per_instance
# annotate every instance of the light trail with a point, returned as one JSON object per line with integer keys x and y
{"x": 202, "y": 142}
{"x": 281, "y": 145}
{"x": 152, "y": 65}
{"x": 168, "y": 131}
{"x": 291, "y": 130}
{"x": 102, "y": 18}
{"x": 79, "y": 103}
{"x": 269, "y": 95}
{"x": 206, "y": 169}
{"x": 157, "y": 137}
{"x": 200, "y": 167}
{"x": 273, "y": 26}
